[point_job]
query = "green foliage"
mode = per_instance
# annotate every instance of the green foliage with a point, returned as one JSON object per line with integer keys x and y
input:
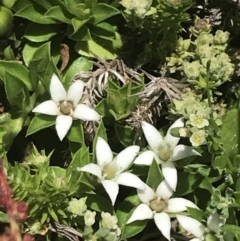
{"x": 230, "y": 133}
{"x": 96, "y": 49}
{"x": 206, "y": 47}
{"x": 84, "y": 22}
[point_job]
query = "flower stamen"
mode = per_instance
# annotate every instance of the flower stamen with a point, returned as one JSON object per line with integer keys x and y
{"x": 66, "y": 107}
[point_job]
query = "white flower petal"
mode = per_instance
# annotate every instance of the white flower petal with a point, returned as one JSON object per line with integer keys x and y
{"x": 125, "y": 158}
{"x": 182, "y": 151}
{"x": 92, "y": 168}
{"x": 145, "y": 158}
{"x": 171, "y": 140}
{"x": 142, "y": 212}
{"x": 130, "y": 180}
{"x": 57, "y": 91}
{"x": 179, "y": 204}
{"x": 214, "y": 222}
{"x": 195, "y": 239}
{"x": 152, "y": 136}
{"x": 84, "y": 112}
{"x": 191, "y": 225}
{"x": 163, "y": 223}
{"x": 170, "y": 174}
{"x": 103, "y": 152}
{"x": 48, "y": 107}
{"x": 75, "y": 92}
{"x": 63, "y": 124}
{"x": 112, "y": 189}
{"x": 164, "y": 190}
{"x": 146, "y": 195}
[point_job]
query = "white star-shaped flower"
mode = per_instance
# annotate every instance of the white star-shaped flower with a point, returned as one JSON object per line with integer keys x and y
{"x": 194, "y": 227}
{"x": 157, "y": 205}
{"x": 165, "y": 150}
{"x": 65, "y": 106}
{"x": 110, "y": 171}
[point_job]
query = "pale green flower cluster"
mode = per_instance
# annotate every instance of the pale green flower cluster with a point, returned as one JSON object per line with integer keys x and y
{"x": 108, "y": 228}
{"x": 77, "y": 207}
{"x": 36, "y": 228}
{"x": 110, "y": 222}
{"x": 139, "y": 8}
{"x": 37, "y": 159}
{"x": 205, "y": 54}
{"x": 89, "y": 218}
{"x": 197, "y": 113}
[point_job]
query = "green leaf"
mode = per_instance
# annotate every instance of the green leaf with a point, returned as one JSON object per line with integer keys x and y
{"x": 80, "y": 158}
{"x": 124, "y": 212}
{"x": 124, "y": 209}
{"x": 101, "y": 131}
{"x": 197, "y": 214}
{"x": 125, "y": 134}
{"x": 230, "y": 133}
{"x": 53, "y": 214}
{"x": 103, "y": 11}
{"x": 155, "y": 176}
{"x": 8, "y": 3}
{"x": 16, "y": 69}
{"x": 12, "y": 128}
{"x": 220, "y": 162}
{"x": 120, "y": 101}
{"x": 189, "y": 182}
{"x": 40, "y": 32}
{"x": 40, "y": 122}
{"x": 102, "y": 108}
{"x": 99, "y": 203}
{"x": 57, "y": 13}
{"x": 76, "y": 133}
{"x": 82, "y": 34}
{"x": 100, "y": 47}
{"x": 17, "y": 92}
{"x": 63, "y": 214}
{"x": 34, "y": 13}
{"x": 29, "y": 50}
{"x": 103, "y": 30}
{"x": 8, "y": 53}
{"x": 44, "y": 218}
{"x": 79, "y": 10}
{"x": 236, "y": 161}
{"x": 80, "y": 64}
{"x": 41, "y": 66}
{"x": 78, "y": 24}
{"x": 231, "y": 229}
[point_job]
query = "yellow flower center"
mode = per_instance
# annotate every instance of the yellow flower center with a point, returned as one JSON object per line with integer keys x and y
{"x": 164, "y": 153}
{"x": 197, "y": 137}
{"x": 66, "y": 107}
{"x": 157, "y": 204}
{"x": 198, "y": 120}
{"x": 109, "y": 171}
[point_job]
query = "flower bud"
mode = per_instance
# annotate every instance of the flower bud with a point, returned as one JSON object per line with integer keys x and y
{"x": 198, "y": 138}
{"x": 77, "y": 206}
{"x": 221, "y": 37}
{"x": 89, "y": 218}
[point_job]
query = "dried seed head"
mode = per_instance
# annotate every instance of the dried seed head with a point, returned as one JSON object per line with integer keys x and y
{"x": 168, "y": 87}
{"x": 96, "y": 81}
